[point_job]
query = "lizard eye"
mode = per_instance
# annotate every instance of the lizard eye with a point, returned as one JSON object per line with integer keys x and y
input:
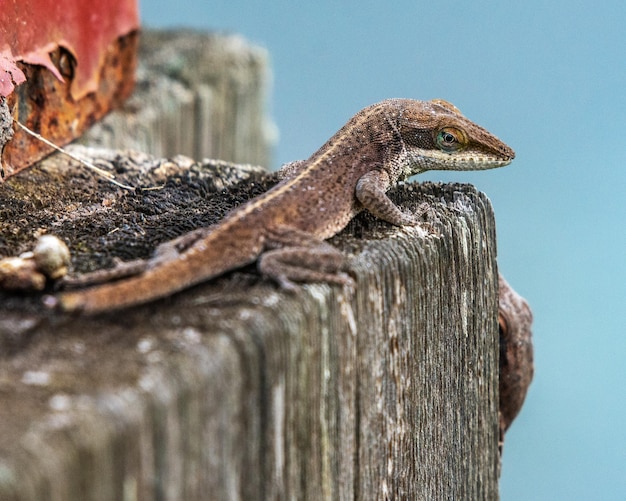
{"x": 450, "y": 139}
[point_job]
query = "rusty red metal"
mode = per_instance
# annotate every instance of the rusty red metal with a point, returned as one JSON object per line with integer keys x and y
{"x": 45, "y": 105}
{"x": 63, "y": 65}
{"x": 32, "y": 29}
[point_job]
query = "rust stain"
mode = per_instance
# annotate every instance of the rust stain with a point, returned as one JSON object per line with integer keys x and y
{"x": 45, "y": 104}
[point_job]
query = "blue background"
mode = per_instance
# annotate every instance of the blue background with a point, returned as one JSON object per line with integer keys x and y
{"x": 549, "y": 78}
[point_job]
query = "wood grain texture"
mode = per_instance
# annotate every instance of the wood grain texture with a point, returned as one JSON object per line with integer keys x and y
{"x": 197, "y": 94}
{"x": 428, "y": 369}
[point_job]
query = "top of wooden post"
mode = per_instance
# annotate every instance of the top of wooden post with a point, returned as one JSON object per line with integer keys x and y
{"x": 235, "y": 387}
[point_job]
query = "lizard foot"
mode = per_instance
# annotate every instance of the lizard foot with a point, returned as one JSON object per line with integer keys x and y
{"x": 287, "y": 265}
{"x": 121, "y": 269}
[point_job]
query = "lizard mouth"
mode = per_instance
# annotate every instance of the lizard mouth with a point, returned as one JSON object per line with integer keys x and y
{"x": 476, "y": 162}
{"x": 460, "y": 160}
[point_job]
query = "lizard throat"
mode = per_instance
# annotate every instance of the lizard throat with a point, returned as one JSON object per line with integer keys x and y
{"x": 430, "y": 159}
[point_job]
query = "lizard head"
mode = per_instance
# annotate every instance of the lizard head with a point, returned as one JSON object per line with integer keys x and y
{"x": 438, "y": 137}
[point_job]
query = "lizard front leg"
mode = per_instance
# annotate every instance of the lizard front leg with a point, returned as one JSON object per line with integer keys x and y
{"x": 371, "y": 191}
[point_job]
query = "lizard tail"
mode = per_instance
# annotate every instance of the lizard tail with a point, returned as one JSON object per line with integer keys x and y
{"x": 150, "y": 285}
{"x": 133, "y": 291}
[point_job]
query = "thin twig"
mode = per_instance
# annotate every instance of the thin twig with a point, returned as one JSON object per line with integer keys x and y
{"x": 101, "y": 172}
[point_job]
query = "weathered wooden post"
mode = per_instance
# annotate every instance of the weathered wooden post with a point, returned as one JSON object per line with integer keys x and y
{"x": 236, "y": 389}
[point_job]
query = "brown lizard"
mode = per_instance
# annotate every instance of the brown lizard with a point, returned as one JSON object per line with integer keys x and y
{"x": 285, "y": 228}
{"x": 516, "y": 353}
